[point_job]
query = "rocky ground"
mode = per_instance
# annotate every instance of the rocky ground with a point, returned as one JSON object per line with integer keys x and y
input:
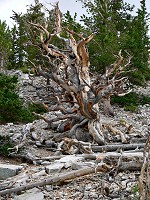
{"x": 37, "y": 164}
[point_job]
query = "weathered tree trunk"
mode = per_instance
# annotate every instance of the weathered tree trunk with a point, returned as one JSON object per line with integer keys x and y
{"x": 77, "y": 97}
{"x": 108, "y": 110}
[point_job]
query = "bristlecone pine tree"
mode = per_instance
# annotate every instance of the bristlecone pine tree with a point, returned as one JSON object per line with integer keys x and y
{"x": 72, "y": 89}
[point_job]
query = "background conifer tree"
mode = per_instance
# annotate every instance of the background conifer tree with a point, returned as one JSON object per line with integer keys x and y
{"x": 5, "y": 44}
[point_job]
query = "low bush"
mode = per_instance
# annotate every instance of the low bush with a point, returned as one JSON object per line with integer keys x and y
{"x": 130, "y": 101}
{"x": 5, "y": 144}
{"x": 11, "y": 107}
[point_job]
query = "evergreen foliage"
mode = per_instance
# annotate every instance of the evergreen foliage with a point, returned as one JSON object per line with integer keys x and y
{"x": 137, "y": 44}
{"x": 71, "y": 23}
{"x": 35, "y": 14}
{"x": 13, "y": 52}
{"x": 11, "y": 107}
{"x": 5, "y": 143}
{"x": 116, "y": 28}
{"x": 9, "y": 102}
{"x": 5, "y": 44}
{"x": 19, "y": 42}
{"x": 109, "y": 20}
{"x": 131, "y": 101}
{"x": 21, "y": 34}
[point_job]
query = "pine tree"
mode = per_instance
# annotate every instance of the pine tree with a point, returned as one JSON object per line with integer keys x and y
{"x": 22, "y": 49}
{"x": 109, "y": 21}
{"x": 36, "y": 15}
{"x": 71, "y": 23}
{"x": 5, "y": 44}
{"x": 13, "y": 50}
{"x": 116, "y": 28}
{"x": 137, "y": 44}
{"x": 19, "y": 38}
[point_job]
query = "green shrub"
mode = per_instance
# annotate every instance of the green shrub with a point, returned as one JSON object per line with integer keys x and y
{"x": 11, "y": 107}
{"x": 130, "y": 101}
{"x": 25, "y": 115}
{"x": 131, "y": 108}
{"x": 24, "y": 69}
{"x": 5, "y": 143}
{"x": 26, "y": 112}
{"x": 8, "y": 82}
{"x": 135, "y": 191}
{"x": 9, "y": 102}
{"x": 144, "y": 99}
{"x": 38, "y": 108}
{"x": 137, "y": 78}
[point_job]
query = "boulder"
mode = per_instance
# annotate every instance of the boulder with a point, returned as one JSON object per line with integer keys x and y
{"x": 7, "y": 170}
{"x": 32, "y": 194}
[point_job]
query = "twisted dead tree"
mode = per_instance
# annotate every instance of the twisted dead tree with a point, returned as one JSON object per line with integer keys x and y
{"x": 72, "y": 92}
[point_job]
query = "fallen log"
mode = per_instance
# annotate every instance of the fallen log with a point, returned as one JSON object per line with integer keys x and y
{"x": 144, "y": 178}
{"x": 59, "y": 179}
{"x": 124, "y": 161}
{"x": 115, "y": 147}
{"x": 92, "y": 156}
{"x": 86, "y": 147}
{"x": 111, "y": 155}
{"x": 130, "y": 166}
{"x": 138, "y": 140}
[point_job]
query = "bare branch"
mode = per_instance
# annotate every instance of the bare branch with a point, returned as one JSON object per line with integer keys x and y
{"x": 40, "y": 27}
